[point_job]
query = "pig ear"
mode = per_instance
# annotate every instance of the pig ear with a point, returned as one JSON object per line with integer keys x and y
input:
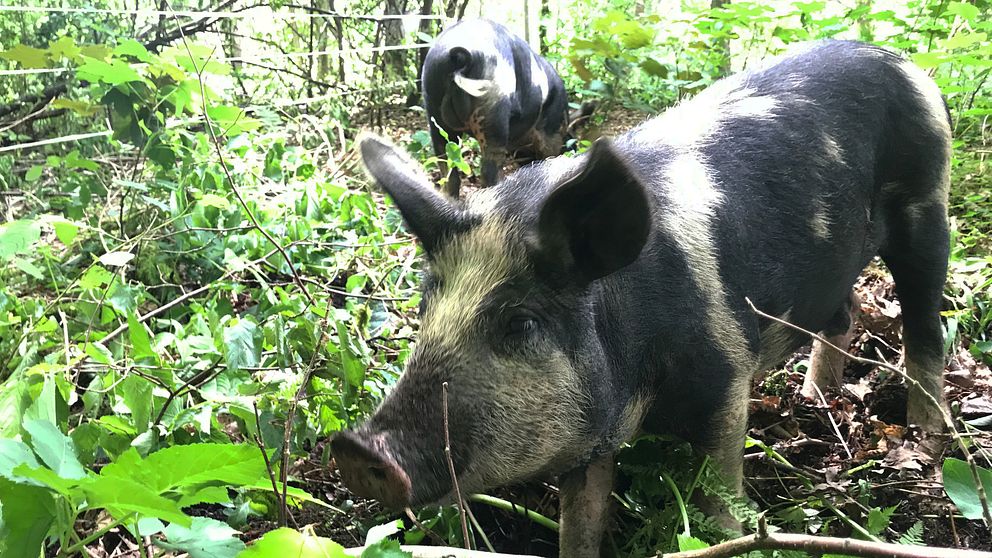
{"x": 429, "y": 215}
{"x": 597, "y": 221}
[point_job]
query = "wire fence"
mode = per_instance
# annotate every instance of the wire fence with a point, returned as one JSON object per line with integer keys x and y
{"x": 243, "y": 14}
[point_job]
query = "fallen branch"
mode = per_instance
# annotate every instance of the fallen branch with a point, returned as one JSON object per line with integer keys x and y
{"x": 443, "y": 552}
{"x": 816, "y": 545}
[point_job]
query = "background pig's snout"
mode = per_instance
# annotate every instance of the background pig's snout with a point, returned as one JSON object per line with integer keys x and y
{"x": 368, "y": 469}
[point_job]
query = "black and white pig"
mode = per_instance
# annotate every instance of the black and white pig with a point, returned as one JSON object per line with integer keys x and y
{"x": 482, "y": 80}
{"x": 584, "y": 299}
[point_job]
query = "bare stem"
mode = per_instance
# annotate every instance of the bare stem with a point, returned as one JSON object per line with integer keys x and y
{"x": 451, "y": 464}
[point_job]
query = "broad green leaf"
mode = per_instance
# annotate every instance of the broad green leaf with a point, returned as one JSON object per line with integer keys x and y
{"x": 99, "y": 353}
{"x": 208, "y": 495}
{"x": 34, "y": 173}
{"x": 95, "y": 277}
{"x": 213, "y": 200}
{"x": 137, "y": 395}
{"x": 82, "y": 108}
{"x": 17, "y": 237}
{"x": 961, "y": 489}
{"x": 205, "y": 538}
{"x": 963, "y": 9}
{"x": 123, "y": 496}
{"x": 189, "y": 466}
{"x": 27, "y": 514}
{"x": 114, "y": 72}
{"x": 691, "y": 543}
{"x": 116, "y": 259}
{"x": 65, "y": 231}
{"x": 140, "y": 341}
{"x": 29, "y": 268}
{"x": 55, "y": 449}
{"x": 385, "y": 548}
{"x": 46, "y": 477}
{"x": 927, "y": 60}
{"x": 64, "y": 47}
{"x": 354, "y": 369}
{"x": 14, "y": 453}
{"x": 284, "y": 542}
{"x": 133, "y": 48}
{"x": 963, "y": 40}
{"x": 654, "y": 68}
{"x": 98, "y": 52}
{"x": 241, "y": 349}
{"x": 231, "y": 120}
{"x": 26, "y": 56}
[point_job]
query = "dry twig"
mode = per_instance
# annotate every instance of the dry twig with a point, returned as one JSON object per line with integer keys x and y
{"x": 451, "y": 464}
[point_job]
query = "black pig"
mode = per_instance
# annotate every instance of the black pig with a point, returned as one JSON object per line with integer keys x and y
{"x": 482, "y": 80}
{"x": 583, "y": 299}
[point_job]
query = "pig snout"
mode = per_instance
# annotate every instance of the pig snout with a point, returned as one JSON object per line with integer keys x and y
{"x": 368, "y": 469}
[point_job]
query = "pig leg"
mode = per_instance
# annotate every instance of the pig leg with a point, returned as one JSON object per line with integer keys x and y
{"x": 585, "y": 498}
{"x": 826, "y": 367}
{"x": 440, "y": 151}
{"x": 724, "y": 445}
{"x": 495, "y": 147}
{"x": 916, "y": 254}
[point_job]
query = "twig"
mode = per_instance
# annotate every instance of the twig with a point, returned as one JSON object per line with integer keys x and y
{"x": 833, "y": 423}
{"x": 948, "y": 421}
{"x": 478, "y": 528}
{"x": 816, "y": 545}
{"x": 451, "y": 464}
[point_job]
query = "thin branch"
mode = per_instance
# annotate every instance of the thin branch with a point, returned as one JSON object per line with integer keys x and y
{"x": 816, "y": 545}
{"x": 451, "y": 464}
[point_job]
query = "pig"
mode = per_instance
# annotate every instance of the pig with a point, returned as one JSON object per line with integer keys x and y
{"x": 585, "y": 299}
{"x": 482, "y": 80}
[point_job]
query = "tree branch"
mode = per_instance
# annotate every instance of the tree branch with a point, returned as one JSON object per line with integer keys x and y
{"x": 816, "y": 546}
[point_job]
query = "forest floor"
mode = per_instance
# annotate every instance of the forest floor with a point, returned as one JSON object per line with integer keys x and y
{"x": 853, "y": 445}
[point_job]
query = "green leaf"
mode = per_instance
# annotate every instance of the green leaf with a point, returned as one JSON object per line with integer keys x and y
{"x": 137, "y": 395}
{"x": 46, "y": 477}
{"x": 654, "y": 68}
{"x": 64, "y": 47}
{"x": 205, "y": 538}
{"x": 65, "y": 231}
{"x": 130, "y": 47}
{"x": 927, "y": 60}
{"x": 27, "y": 514}
{"x": 190, "y": 466}
{"x": 98, "y": 52}
{"x": 240, "y": 347}
{"x": 965, "y": 10}
{"x": 34, "y": 173}
{"x": 963, "y": 40}
{"x": 95, "y": 277}
{"x": 208, "y": 495}
{"x": 284, "y": 542}
{"x": 114, "y": 72}
{"x": 385, "y": 548}
{"x": 82, "y": 108}
{"x": 17, "y": 237}
{"x": 99, "y": 353}
{"x": 123, "y": 496}
{"x": 354, "y": 368}
{"x": 55, "y": 449}
{"x": 14, "y": 453}
{"x": 878, "y": 519}
{"x": 29, "y": 268}
{"x": 691, "y": 543}
{"x": 231, "y": 120}
{"x": 213, "y": 200}
{"x": 961, "y": 488}
{"x": 142, "y": 344}
{"x": 26, "y": 56}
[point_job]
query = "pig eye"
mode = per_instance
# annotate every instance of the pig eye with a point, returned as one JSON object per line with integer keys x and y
{"x": 521, "y": 325}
